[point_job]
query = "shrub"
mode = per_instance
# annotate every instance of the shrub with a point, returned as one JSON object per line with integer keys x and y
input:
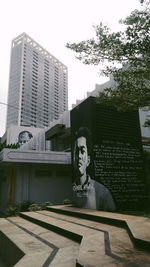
{"x": 34, "y": 207}
{"x": 13, "y": 210}
{"x": 24, "y": 206}
{"x": 67, "y": 201}
{"x": 47, "y": 203}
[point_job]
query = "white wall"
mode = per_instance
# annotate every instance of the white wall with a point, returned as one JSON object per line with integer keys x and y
{"x": 11, "y": 136}
{"x": 41, "y": 184}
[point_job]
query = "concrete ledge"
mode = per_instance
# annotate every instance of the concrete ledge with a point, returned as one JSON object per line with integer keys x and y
{"x": 35, "y": 218}
{"x": 100, "y": 244}
{"x": 31, "y": 156}
{"x": 91, "y": 243}
{"x": 137, "y": 227}
{"x": 18, "y": 248}
{"x": 9, "y": 252}
{"x": 62, "y": 251}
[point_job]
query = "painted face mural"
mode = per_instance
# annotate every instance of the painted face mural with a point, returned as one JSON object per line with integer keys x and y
{"x": 24, "y": 137}
{"x": 107, "y": 158}
{"x": 81, "y": 158}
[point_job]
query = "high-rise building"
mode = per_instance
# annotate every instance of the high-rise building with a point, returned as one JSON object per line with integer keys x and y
{"x": 38, "y": 85}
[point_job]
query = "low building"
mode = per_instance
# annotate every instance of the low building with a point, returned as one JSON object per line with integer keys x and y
{"x": 35, "y": 176}
{"x": 40, "y": 169}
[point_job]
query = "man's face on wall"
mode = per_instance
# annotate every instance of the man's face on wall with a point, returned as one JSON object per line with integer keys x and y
{"x": 23, "y": 138}
{"x": 81, "y": 157}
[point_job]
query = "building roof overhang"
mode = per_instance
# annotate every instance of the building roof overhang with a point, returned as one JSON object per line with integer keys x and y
{"x": 31, "y": 156}
{"x": 57, "y": 129}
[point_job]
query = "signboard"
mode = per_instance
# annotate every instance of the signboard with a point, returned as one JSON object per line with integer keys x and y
{"x": 107, "y": 161}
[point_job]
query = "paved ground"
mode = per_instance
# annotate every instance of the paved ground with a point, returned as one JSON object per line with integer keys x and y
{"x": 66, "y": 237}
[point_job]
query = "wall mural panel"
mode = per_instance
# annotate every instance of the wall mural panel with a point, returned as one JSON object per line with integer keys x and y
{"x": 107, "y": 162}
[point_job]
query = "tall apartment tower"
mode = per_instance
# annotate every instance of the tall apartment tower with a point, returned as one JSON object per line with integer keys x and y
{"x": 38, "y": 85}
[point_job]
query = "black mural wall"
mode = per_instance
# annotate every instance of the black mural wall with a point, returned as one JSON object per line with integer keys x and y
{"x": 116, "y": 159}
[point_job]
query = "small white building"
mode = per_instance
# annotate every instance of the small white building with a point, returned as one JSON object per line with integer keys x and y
{"x": 35, "y": 176}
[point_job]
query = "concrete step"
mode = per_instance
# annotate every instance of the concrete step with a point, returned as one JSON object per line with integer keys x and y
{"x": 27, "y": 244}
{"x": 71, "y": 230}
{"x": 55, "y": 238}
{"x": 137, "y": 227}
{"x": 18, "y": 248}
{"x": 100, "y": 244}
{"x": 115, "y": 244}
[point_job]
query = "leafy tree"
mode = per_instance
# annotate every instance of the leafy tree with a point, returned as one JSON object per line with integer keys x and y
{"x": 125, "y": 55}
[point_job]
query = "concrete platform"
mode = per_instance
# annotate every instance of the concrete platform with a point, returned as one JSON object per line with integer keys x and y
{"x": 64, "y": 236}
{"x": 34, "y": 245}
{"x": 137, "y": 227}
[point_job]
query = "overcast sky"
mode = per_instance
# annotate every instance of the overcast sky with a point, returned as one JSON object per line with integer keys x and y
{"x": 53, "y": 23}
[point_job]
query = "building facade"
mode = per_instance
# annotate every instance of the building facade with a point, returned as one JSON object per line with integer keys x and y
{"x": 34, "y": 176}
{"x": 38, "y": 85}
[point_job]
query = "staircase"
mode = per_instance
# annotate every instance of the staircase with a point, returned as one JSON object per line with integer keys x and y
{"x": 64, "y": 236}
